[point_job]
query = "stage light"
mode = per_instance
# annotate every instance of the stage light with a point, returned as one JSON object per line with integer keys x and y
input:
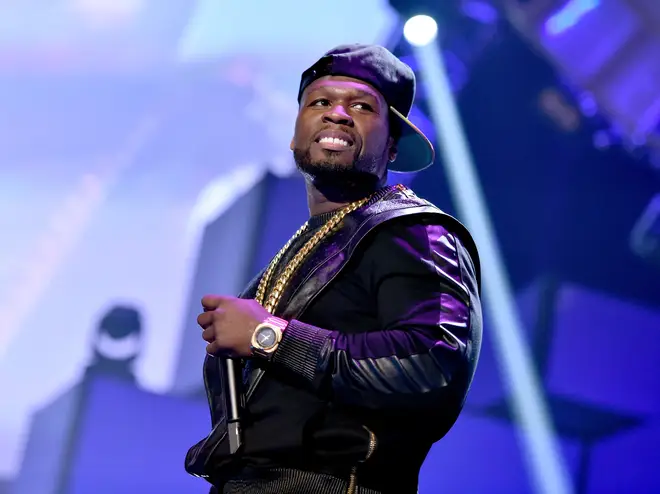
{"x": 118, "y": 343}
{"x": 420, "y": 30}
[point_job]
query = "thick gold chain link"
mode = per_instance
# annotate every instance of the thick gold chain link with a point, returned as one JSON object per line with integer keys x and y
{"x": 270, "y": 303}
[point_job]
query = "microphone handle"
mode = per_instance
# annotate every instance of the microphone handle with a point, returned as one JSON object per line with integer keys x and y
{"x": 233, "y": 402}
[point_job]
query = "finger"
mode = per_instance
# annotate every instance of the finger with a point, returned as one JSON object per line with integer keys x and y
{"x": 208, "y": 335}
{"x": 212, "y": 302}
{"x": 213, "y": 349}
{"x": 205, "y": 319}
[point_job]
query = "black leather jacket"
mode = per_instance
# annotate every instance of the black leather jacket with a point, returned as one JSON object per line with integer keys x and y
{"x": 417, "y": 376}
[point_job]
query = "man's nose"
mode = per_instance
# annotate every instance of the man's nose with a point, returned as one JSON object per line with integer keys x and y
{"x": 338, "y": 115}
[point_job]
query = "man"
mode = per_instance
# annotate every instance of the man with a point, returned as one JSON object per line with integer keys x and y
{"x": 362, "y": 335}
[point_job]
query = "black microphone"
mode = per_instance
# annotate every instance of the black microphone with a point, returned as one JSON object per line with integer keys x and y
{"x": 233, "y": 384}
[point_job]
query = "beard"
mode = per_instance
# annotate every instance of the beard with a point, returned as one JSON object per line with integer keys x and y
{"x": 340, "y": 182}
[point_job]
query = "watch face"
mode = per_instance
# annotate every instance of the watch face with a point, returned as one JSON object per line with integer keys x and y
{"x": 266, "y": 338}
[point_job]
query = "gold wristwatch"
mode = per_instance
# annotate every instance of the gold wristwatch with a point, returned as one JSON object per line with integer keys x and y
{"x": 267, "y": 337}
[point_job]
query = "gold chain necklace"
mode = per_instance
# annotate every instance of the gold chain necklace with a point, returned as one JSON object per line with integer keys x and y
{"x": 276, "y": 293}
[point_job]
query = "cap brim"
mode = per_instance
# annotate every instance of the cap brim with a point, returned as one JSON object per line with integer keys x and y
{"x": 414, "y": 151}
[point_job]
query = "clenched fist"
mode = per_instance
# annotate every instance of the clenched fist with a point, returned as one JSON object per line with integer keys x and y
{"x": 228, "y": 324}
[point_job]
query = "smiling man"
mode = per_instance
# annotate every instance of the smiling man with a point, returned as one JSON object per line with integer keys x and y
{"x": 361, "y": 337}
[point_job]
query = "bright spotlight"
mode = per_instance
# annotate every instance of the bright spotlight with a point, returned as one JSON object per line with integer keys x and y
{"x": 420, "y": 30}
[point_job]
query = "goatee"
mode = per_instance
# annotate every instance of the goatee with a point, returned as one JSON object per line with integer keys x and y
{"x": 340, "y": 182}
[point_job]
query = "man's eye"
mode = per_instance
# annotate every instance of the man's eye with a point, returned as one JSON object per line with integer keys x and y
{"x": 320, "y": 102}
{"x": 363, "y": 106}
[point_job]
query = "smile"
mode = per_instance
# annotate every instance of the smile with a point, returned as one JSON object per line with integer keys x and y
{"x": 334, "y": 140}
{"x": 334, "y": 143}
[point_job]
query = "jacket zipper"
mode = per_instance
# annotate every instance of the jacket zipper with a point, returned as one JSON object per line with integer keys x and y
{"x": 352, "y": 479}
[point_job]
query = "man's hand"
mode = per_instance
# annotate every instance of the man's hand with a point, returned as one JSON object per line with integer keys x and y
{"x": 228, "y": 324}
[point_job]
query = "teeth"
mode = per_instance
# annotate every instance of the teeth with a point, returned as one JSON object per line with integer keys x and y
{"x": 334, "y": 140}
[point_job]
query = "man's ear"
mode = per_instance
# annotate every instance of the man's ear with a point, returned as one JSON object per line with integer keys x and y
{"x": 291, "y": 145}
{"x": 392, "y": 149}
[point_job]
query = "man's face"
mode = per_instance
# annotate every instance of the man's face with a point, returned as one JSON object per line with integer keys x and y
{"x": 342, "y": 127}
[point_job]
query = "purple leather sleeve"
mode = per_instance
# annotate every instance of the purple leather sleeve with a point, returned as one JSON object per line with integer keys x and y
{"x": 429, "y": 332}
